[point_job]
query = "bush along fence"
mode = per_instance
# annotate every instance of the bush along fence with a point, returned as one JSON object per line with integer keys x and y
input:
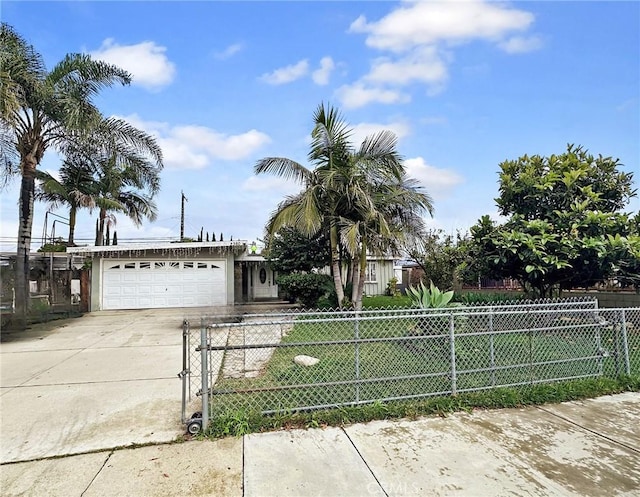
{"x": 275, "y": 363}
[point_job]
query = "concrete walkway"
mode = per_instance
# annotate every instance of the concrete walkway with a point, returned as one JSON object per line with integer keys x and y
{"x": 588, "y": 448}
{"x": 73, "y": 393}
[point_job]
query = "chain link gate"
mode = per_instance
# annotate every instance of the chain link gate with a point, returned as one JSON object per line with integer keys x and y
{"x": 257, "y": 364}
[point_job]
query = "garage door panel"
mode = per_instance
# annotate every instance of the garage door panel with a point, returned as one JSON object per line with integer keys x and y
{"x": 153, "y": 284}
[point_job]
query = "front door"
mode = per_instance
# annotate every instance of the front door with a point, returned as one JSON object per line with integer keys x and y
{"x": 264, "y": 283}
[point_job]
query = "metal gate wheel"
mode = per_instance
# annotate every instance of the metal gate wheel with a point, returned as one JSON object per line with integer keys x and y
{"x": 194, "y": 427}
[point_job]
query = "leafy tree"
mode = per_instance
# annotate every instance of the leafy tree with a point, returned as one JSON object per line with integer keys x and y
{"x": 40, "y": 109}
{"x": 439, "y": 256}
{"x": 290, "y": 251}
{"x": 564, "y": 230}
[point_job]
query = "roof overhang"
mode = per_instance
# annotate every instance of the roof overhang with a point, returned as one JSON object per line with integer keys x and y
{"x": 164, "y": 247}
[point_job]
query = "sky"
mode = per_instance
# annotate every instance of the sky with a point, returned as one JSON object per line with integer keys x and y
{"x": 464, "y": 85}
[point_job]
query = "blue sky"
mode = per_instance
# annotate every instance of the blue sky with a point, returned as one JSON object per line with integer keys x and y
{"x": 464, "y": 84}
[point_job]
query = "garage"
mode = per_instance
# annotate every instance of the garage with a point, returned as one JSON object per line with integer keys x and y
{"x": 148, "y": 283}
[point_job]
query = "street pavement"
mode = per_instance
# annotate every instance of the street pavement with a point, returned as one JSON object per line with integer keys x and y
{"x": 76, "y": 397}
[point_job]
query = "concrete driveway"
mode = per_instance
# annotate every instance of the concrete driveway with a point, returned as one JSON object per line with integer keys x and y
{"x": 103, "y": 380}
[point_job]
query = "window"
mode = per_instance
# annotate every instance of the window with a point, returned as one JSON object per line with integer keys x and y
{"x": 159, "y": 265}
{"x": 174, "y": 265}
{"x": 370, "y": 272}
{"x": 202, "y": 265}
{"x": 130, "y": 265}
{"x": 188, "y": 265}
{"x": 117, "y": 266}
{"x": 145, "y": 265}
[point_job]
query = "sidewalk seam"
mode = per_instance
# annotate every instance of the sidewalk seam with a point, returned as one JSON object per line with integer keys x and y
{"x": 575, "y": 423}
{"x": 364, "y": 461}
{"x": 99, "y": 471}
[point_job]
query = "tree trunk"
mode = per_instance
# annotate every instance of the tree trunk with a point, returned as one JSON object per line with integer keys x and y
{"x": 72, "y": 225}
{"x": 361, "y": 277}
{"x": 355, "y": 278}
{"x": 100, "y": 234}
{"x": 25, "y": 222}
{"x": 335, "y": 265}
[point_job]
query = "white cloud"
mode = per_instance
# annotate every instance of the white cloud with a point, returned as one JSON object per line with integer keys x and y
{"x": 438, "y": 182}
{"x": 430, "y": 23}
{"x": 287, "y": 74}
{"x": 359, "y": 95}
{"x": 423, "y": 65}
{"x": 228, "y": 52}
{"x": 323, "y": 73}
{"x": 196, "y": 147}
{"x": 146, "y": 61}
{"x": 362, "y": 130}
{"x": 521, "y": 44}
{"x": 419, "y": 38}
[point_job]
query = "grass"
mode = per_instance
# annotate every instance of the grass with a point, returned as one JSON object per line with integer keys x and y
{"x": 386, "y": 302}
{"x": 410, "y": 358}
{"x": 243, "y": 421}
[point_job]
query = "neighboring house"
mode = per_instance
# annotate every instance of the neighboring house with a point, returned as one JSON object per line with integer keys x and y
{"x": 378, "y": 273}
{"x": 191, "y": 274}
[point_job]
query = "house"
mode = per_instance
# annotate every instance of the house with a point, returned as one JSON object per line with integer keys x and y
{"x": 191, "y": 274}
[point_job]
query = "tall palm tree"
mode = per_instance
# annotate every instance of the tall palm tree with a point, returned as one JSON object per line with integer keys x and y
{"x": 314, "y": 205}
{"x": 128, "y": 164}
{"x": 40, "y": 109}
{"x": 128, "y": 189}
{"x": 363, "y": 196}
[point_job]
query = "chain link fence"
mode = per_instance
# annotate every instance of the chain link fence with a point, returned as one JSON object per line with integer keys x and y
{"x": 309, "y": 360}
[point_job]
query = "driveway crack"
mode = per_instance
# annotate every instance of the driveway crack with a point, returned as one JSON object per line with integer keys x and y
{"x": 365, "y": 462}
{"x": 98, "y": 472}
{"x": 594, "y": 432}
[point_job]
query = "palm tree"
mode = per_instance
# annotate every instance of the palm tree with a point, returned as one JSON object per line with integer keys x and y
{"x": 74, "y": 189}
{"x": 40, "y": 109}
{"x": 362, "y": 196}
{"x": 124, "y": 189}
{"x": 125, "y": 163}
{"x": 314, "y": 205}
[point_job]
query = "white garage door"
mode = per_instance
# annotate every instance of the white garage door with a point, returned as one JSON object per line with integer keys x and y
{"x": 144, "y": 284}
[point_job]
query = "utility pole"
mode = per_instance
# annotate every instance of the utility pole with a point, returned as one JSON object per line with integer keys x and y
{"x": 182, "y": 216}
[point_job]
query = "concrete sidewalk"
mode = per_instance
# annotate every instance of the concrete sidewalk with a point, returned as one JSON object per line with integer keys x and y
{"x": 587, "y": 448}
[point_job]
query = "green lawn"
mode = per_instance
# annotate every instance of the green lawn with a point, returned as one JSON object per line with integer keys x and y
{"x": 410, "y": 357}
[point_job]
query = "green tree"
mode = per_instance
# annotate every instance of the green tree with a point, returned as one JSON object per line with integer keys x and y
{"x": 73, "y": 189}
{"x": 126, "y": 163}
{"x": 358, "y": 195}
{"x": 439, "y": 256}
{"x": 565, "y": 228}
{"x": 110, "y": 171}
{"x": 40, "y": 109}
{"x": 289, "y": 251}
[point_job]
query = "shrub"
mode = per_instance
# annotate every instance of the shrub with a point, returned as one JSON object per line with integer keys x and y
{"x": 305, "y": 287}
{"x": 426, "y": 298}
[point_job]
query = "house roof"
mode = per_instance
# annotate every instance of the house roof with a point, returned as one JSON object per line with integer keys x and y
{"x": 239, "y": 245}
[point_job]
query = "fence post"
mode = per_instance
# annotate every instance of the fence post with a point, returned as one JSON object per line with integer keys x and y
{"x": 492, "y": 351}
{"x": 356, "y": 336}
{"x": 204, "y": 354}
{"x": 184, "y": 374}
{"x": 625, "y": 342}
{"x": 452, "y": 350}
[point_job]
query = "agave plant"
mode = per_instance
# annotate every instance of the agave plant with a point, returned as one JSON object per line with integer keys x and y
{"x": 431, "y": 297}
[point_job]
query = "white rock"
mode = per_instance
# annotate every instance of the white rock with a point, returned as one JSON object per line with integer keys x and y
{"x": 306, "y": 360}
